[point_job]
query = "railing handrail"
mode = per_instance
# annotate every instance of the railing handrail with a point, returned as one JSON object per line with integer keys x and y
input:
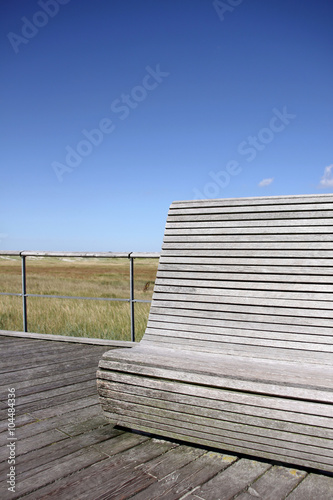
{"x": 29, "y": 253}
{"x": 111, "y": 255}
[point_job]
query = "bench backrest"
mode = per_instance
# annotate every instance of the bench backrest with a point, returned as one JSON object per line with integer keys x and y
{"x": 249, "y": 276}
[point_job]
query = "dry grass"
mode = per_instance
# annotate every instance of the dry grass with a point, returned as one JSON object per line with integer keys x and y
{"x": 107, "y": 278}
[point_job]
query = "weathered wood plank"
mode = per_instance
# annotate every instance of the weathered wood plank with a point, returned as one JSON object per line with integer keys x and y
{"x": 313, "y": 486}
{"x": 245, "y": 220}
{"x": 62, "y": 393}
{"x": 202, "y": 336}
{"x": 169, "y": 429}
{"x": 61, "y": 408}
{"x": 202, "y": 287}
{"x": 255, "y": 200}
{"x": 76, "y": 461}
{"x": 236, "y": 240}
{"x": 210, "y": 369}
{"x": 171, "y": 461}
{"x": 240, "y": 272}
{"x": 222, "y": 314}
{"x": 31, "y": 443}
{"x": 264, "y": 253}
{"x": 264, "y": 208}
{"x": 262, "y": 227}
{"x": 246, "y": 247}
{"x": 115, "y": 476}
{"x": 44, "y": 458}
{"x": 273, "y": 440}
{"x": 276, "y": 307}
{"x": 236, "y": 407}
{"x": 310, "y": 285}
{"x": 66, "y": 468}
{"x": 249, "y": 261}
{"x": 53, "y": 381}
{"x": 253, "y": 328}
{"x": 215, "y": 422}
{"x": 68, "y": 339}
{"x": 275, "y": 484}
{"x": 227, "y": 484}
{"x": 187, "y": 478}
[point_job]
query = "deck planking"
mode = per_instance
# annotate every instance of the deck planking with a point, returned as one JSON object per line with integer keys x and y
{"x": 66, "y": 449}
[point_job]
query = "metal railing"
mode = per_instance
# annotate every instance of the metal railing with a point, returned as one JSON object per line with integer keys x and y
{"x": 109, "y": 255}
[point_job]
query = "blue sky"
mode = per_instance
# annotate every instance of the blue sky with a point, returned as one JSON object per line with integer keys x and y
{"x": 110, "y": 110}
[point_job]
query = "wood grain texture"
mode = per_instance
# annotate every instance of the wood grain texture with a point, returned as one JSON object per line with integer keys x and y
{"x": 238, "y": 351}
{"x": 70, "y": 451}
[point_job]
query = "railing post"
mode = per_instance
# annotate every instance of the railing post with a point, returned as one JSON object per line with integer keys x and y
{"x": 132, "y": 298}
{"x": 24, "y": 295}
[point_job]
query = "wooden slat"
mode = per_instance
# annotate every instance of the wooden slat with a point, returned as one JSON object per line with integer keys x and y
{"x": 241, "y": 350}
{"x": 256, "y": 208}
{"x": 313, "y": 487}
{"x": 187, "y": 223}
{"x": 250, "y": 261}
{"x": 65, "y": 338}
{"x": 172, "y": 427}
{"x": 244, "y": 271}
{"x": 189, "y": 477}
{"x": 309, "y": 290}
{"x": 243, "y": 408}
{"x": 191, "y": 424}
{"x": 185, "y": 434}
{"x": 249, "y": 227}
{"x": 283, "y": 379}
{"x": 245, "y": 327}
{"x": 274, "y": 484}
{"x": 235, "y": 240}
{"x": 202, "y": 287}
{"x": 264, "y": 276}
{"x": 225, "y": 214}
{"x": 274, "y": 254}
{"x": 222, "y": 314}
{"x": 215, "y": 424}
{"x": 255, "y": 200}
{"x": 217, "y": 343}
{"x": 239, "y": 336}
{"x": 251, "y": 248}
{"x": 278, "y": 306}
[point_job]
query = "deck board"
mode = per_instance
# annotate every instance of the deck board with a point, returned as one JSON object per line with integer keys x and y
{"x": 66, "y": 449}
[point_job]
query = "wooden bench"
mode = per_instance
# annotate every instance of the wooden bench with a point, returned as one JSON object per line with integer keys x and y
{"x": 238, "y": 351}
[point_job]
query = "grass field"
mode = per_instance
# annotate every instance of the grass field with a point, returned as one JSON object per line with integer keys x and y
{"x": 107, "y": 278}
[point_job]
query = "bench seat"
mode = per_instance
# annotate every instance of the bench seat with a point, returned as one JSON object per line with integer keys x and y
{"x": 238, "y": 351}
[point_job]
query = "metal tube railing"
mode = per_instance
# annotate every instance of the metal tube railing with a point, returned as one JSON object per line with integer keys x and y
{"x": 111, "y": 255}
{"x": 24, "y": 295}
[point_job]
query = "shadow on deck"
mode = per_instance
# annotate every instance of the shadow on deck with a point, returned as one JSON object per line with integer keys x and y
{"x": 65, "y": 449}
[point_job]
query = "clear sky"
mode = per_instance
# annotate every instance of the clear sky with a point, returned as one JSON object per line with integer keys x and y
{"x": 112, "y": 109}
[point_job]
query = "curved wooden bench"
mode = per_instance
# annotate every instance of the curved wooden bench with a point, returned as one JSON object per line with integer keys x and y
{"x": 238, "y": 351}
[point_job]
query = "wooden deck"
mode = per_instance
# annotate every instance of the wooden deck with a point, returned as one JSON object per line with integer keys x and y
{"x": 65, "y": 449}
